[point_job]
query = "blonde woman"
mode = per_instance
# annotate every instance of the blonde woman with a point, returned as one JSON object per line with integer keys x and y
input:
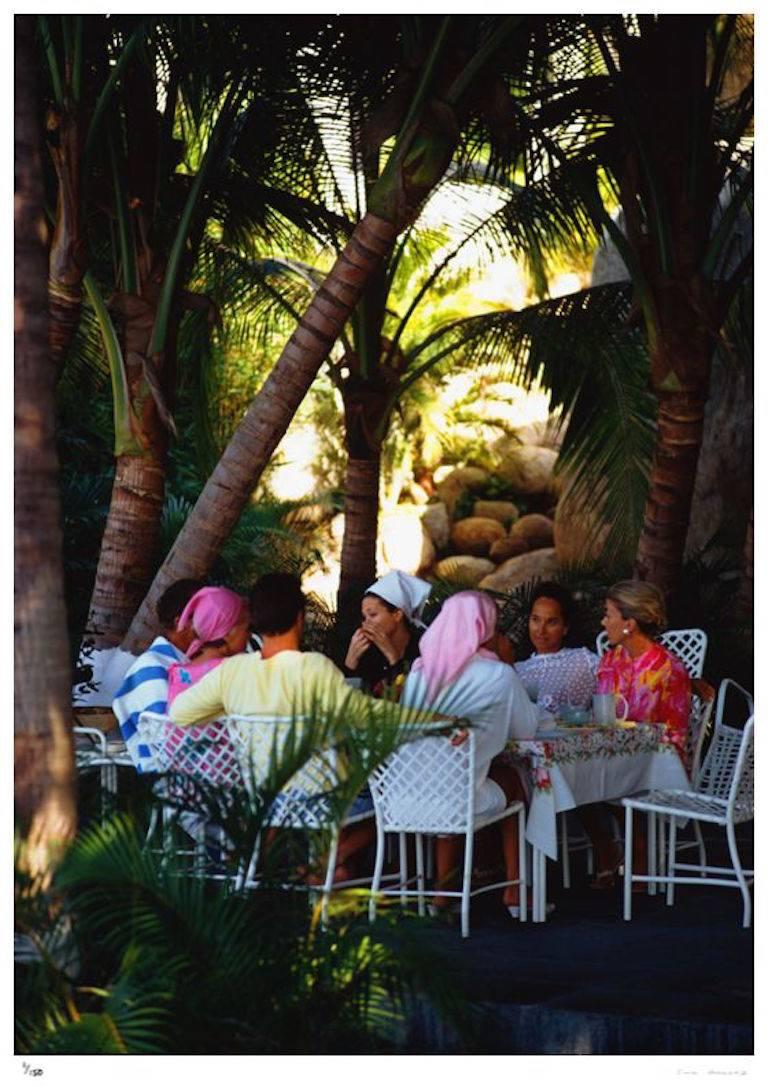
{"x": 657, "y": 689}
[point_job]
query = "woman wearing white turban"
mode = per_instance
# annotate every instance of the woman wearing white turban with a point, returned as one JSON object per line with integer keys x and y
{"x": 387, "y": 641}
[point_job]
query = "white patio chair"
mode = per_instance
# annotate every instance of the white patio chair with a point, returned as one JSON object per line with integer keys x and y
{"x": 203, "y": 755}
{"x": 689, "y": 644}
{"x": 93, "y": 749}
{"x": 426, "y": 787}
{"x": 723, "y": 796}
{"x": 303, "y": 803}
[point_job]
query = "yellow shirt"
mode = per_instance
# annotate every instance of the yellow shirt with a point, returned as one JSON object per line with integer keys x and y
{"x": 294, "y": 683}
{"x": 288, "y": 683}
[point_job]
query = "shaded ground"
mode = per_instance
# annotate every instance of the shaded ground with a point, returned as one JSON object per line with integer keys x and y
{"x": 672, "y": 981}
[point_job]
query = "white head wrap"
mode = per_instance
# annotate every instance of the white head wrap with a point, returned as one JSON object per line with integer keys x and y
{"x": 403, "y": 591}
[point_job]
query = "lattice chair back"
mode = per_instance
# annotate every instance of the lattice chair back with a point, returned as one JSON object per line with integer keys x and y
{"x": 203, "y": 753}
{"x": 716, "y": 777}
{"x": 426, "y": 786}
{"x": 698, "y": 722}
{"x": 688, "y": 644}
{"x": 260, "y": 742}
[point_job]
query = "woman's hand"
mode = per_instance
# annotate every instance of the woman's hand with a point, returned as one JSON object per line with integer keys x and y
{"x": 376, "y": 635}
{"x": 358, "y": 645}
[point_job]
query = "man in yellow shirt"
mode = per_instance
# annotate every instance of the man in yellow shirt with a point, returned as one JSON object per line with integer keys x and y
{"x": 284, "y": 681}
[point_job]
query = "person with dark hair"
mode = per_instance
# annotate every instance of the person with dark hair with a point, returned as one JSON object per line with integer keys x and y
{"x": 556, "y": 676}
{"x": 387, "y": 641}
{"x": 145, "y": 686}
{"x": 283, "y": 680}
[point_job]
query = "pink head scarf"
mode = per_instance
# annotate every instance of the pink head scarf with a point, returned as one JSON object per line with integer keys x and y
{"x": 465, "y": 622}
{"x": 211, "y": 612}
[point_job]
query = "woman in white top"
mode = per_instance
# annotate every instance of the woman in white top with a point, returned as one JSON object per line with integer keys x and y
{"x": 556, "y": 676}
{"x": 460, "y": 673}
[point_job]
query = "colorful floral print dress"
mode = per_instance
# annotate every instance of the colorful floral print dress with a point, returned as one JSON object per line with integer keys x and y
{"x": 656, "y": 686}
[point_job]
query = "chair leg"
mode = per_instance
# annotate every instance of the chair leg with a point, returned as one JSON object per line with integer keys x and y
{"x": 378, "y": 869}
{"x": 469, "y": 842}
{"x": 328, "y": 884}
{"x": 628, "y": 862}
{"x": 653, "y": 868}
{"x": 661, "y": 849}
{"x": 671, "y": 863}
{"x": 564, "y": 853}
{"x": 702, "y": 849}
{"x": 522, "y": 867}
{"x": 739, "y": 872}
{"x": 420, "y": 872}
{"x": 403, "y": 869}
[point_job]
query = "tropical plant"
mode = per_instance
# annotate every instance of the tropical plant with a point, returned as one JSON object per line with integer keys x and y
{"x": 136, "y": 956}
{"x": 657, "y": 110}
{"x": 43, "y": 755}
{"x": 165, "y": 146}
{"x": 427, "y": 83}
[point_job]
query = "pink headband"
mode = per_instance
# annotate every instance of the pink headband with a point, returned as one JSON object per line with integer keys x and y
{"x": 211, "y": 612}
{"x": 465, "y": 622}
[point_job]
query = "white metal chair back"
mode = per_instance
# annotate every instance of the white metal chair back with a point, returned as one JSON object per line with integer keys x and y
{"x": 203, "y": 753}
{"x": 688, "y": 644}
{"x": 426, "y": 786}
{"x": 728, "y": 771}
{"x": 698, "y": 722}
{"x": 260, "y": 743}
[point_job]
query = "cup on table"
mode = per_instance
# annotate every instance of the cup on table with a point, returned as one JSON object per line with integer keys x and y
{"x": 604, "y": 708}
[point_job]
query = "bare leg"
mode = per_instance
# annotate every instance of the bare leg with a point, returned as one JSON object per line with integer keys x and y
{"x": 608, "y": 854}
{"x": 447, "y": 855}
{"x": 507, "y": 779}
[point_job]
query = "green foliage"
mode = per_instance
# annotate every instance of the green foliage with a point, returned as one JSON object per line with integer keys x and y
{"x": 153, "y": 959}
{"x": 494, "y": 488}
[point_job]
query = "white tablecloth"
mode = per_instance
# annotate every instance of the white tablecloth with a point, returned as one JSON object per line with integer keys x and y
{"x": 568, "y": 767}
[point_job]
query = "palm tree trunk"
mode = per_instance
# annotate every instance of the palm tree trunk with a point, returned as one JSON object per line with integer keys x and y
{"x": 271, "y": 411}
{"x": 128, "y": 553}
{"x": 128, "y": 548}
{"x": 361, "y": 519}
{"x": 366, "y": 408}
{"x": 66, "y": 263}
{"x": 44, "y": 759}
{"x": 673, "y": 470}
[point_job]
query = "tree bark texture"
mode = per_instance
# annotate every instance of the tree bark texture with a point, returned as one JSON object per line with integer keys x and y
{"x": 366, "y": 405}
{"x": 271, "y": 411}
{"x": 129, "y": 546}
{"x": 44, "y": 758}
{"x": 67, "y": 262}
{"x": 361, "y": 520}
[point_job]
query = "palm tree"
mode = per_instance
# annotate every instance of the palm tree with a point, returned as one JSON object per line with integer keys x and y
{"x": 44, "y": 759}
{"x": 437, "y": 102}
{"x": 147, "y": 221}
{"x": 655, "y": 112}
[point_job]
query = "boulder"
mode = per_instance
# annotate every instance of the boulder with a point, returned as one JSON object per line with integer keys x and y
{"x": 451, "y": 487}
{"x": 405, "y": 543}
{"x": 437, "y": 523}
{"x": 536, "y": 530}
{"x": 539, "y": 564}
{"x": 529, "y": 469}
{"x": 502, "y": 510}
{"x": 475, "y": 536}
{"x": 466, "y": 570}
{"x": 506, "y": 547}
{"x": 543, "y": 433}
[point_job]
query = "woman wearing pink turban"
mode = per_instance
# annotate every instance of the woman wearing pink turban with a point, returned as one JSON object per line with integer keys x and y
{"x": 220, "y": 621}
{"x": 460, "y": 673}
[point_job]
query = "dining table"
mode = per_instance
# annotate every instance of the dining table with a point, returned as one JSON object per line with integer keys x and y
{"x": 564, "y": 767}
